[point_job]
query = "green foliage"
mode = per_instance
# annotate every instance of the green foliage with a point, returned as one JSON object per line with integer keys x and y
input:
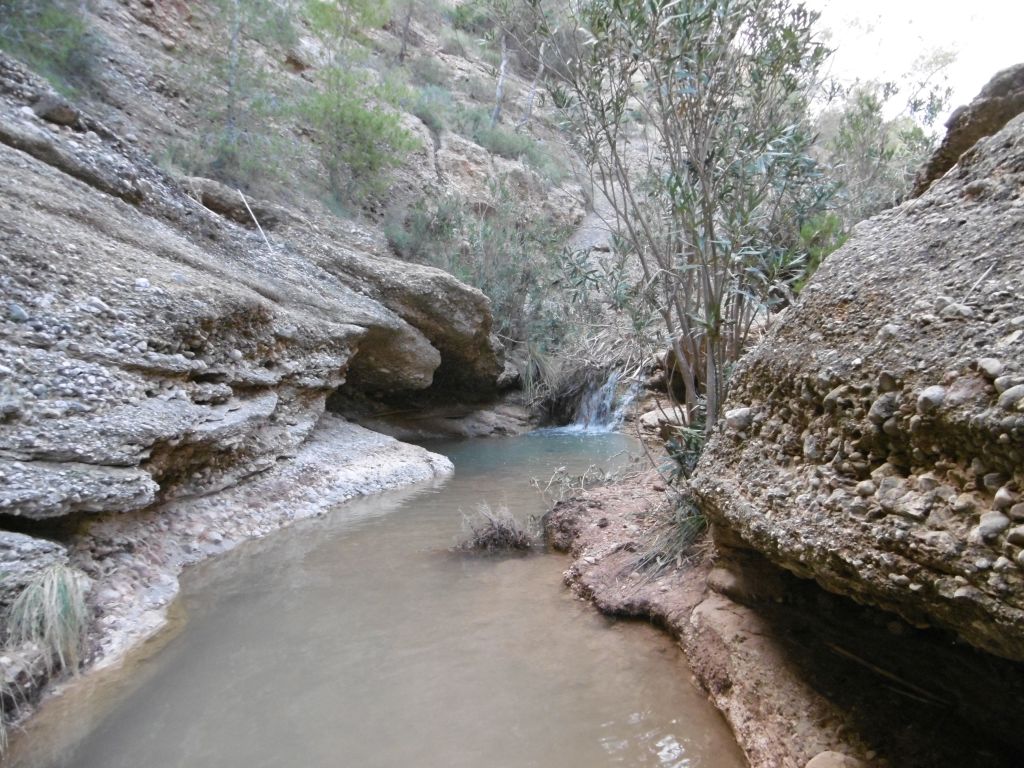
{"x": 684, "y": 448}
{"x": 480, "y": 90}
{"x": 819, "y": 237}
{"x": 505, "y": 250}
{"x": 427, "y": 70}
{"x": 712, "y": 213}
{"x": 873, "y": 156}
{"x": 501, "y": 141}
{"x": 358, "y": 140}
{"x": 426, "y": 232}
{"x": 435, "y": 107}
{"x": 457, "y": 44}
{"x": 50, "y": 612}
{"x": 53, "y": 38}
{"x": 237, "y": 102}
{"x": 472, "y": 16}
{"x": 340, "y": 20}
{"x": 475, "y": 124}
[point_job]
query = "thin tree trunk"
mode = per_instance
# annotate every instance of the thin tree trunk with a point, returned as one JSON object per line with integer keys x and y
{"x": 405, "y": 33}
{"x": 234, "y": 62}
{"x": 499, "y": 91}
{"x": 533, "y": 88}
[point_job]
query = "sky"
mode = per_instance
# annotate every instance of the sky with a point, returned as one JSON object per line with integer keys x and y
{"x": 880, "y": 39}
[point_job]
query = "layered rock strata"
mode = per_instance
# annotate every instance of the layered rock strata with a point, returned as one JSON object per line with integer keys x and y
{"x": 151, "y": 349}
{"x": 165, "y": 363}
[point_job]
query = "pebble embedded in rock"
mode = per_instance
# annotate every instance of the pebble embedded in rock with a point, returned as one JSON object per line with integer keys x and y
{"x": 991, "y": 367}
{"x": 886, "y": 382}
{"x": 812, "y": 448}
{"x": 883, "y": 408}
{"x": 992, "y": 524}
{"x": 993, "y": 481}
{"x": 739, "y": 419}
{"x": 965, "y": 503}
{"x": 865, "y": 488}
{"x": 931, "y": 398}
{"x": 956, "y": 310}
{"x": 17, "y": 313}
{"x": 1005, "y": 498}
{"x": 1016, "y": 535}
{"x": 889, "y": 331}
{"x": 1006, "y": 381}
{"x": 1012, "y": 398}
{"x": 55, "y": 109}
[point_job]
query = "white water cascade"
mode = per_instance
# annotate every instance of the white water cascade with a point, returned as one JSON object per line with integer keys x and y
{"x": 603, "y": 408}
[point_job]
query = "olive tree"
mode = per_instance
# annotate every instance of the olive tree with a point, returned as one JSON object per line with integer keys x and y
{"x": 693, "y": 118}
{"x": 875, "y": 136}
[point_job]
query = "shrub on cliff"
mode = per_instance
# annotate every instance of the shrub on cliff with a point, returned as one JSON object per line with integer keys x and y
{"x": 359, "y": 140}
{"x": 358, "y": 132}
{"x": 237, "y": 102}
{"x": 505, "y": 250}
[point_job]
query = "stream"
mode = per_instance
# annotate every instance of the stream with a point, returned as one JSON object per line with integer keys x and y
{"x": 360, "y": 639}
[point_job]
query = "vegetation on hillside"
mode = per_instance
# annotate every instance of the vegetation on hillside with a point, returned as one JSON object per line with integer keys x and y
{"x": 52, "y": 37}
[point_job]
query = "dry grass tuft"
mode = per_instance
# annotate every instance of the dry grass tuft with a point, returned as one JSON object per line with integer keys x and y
{"x": 494, "y": 531}
{"x": 51, "y": 613}
{"x": 672, "y": 540}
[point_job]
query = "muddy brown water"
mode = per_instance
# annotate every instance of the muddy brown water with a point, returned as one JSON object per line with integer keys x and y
{"x": 360, "y": 639}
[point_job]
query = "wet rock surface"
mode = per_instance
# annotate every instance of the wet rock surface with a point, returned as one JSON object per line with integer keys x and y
{"x": 881, "y": 451}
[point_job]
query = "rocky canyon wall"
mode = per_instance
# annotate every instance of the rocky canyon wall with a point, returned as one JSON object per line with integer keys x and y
{"x": 874, "y": 441}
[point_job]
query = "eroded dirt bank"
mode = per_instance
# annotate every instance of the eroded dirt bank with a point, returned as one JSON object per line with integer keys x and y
{"x": 803, "y": 677}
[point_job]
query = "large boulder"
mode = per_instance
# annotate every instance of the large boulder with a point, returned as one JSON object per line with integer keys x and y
{"x": 882, "y": 449}
{"x": 999, "y": 101}
{"x": 152, "y": 348}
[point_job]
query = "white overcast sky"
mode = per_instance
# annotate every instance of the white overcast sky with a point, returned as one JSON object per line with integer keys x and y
{"x": 880, "y": 39}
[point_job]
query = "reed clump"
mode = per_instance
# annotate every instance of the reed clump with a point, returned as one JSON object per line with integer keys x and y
{"x": 494, "y": 530}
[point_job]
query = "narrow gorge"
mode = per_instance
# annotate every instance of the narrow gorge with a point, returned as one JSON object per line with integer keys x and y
{"x": 294, "y": 295}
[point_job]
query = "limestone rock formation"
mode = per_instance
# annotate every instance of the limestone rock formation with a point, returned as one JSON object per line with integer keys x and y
{"x": 21, "y": 557}
{"x": 881, "y": 449}
{"x": 998, "y": 102}
{"x": 152, "y": 349}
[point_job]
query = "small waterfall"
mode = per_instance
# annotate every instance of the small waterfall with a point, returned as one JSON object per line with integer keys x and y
{"x": 602, "y": 408}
